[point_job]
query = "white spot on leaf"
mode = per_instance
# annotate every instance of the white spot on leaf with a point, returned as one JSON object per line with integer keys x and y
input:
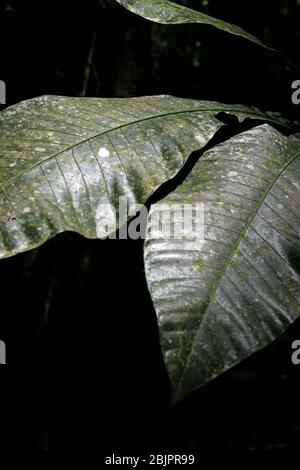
{"x": 103, "y": 152}
{"x": 200, "y": 138}
{"x": 232, "y": 174}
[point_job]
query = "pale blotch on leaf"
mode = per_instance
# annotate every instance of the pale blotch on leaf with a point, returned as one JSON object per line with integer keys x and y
{"x": 200, "y": 138}
{"x": 103, "y": 152}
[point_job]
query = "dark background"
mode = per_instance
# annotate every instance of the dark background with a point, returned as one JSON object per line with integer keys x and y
{"x": 84, "y": 367}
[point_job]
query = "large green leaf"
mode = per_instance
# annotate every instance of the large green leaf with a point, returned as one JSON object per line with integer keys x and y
{"x": 166, "y": 12}
{"x": 61, "y": 158}
{"x": 223, "y": 297}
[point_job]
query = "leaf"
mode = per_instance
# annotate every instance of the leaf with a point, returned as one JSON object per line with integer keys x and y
{"x": 221, "y": 298}
{"x": 63, "y": 158}
{"x": 165, "y": 12}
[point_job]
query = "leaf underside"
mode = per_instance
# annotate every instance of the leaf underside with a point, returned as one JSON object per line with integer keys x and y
{"x": 62, "y": 158}
{"x": 166, "y": 12}
{"x": 222, "y": 298}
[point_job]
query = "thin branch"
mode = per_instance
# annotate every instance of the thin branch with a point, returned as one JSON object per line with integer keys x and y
{"x": 89, "y": 65}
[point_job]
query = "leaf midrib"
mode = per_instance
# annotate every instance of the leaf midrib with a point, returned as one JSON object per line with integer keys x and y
{"x": 223, "y": 272}
{"x": 210, "y": 110}
{"x": 5, "y": 185}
